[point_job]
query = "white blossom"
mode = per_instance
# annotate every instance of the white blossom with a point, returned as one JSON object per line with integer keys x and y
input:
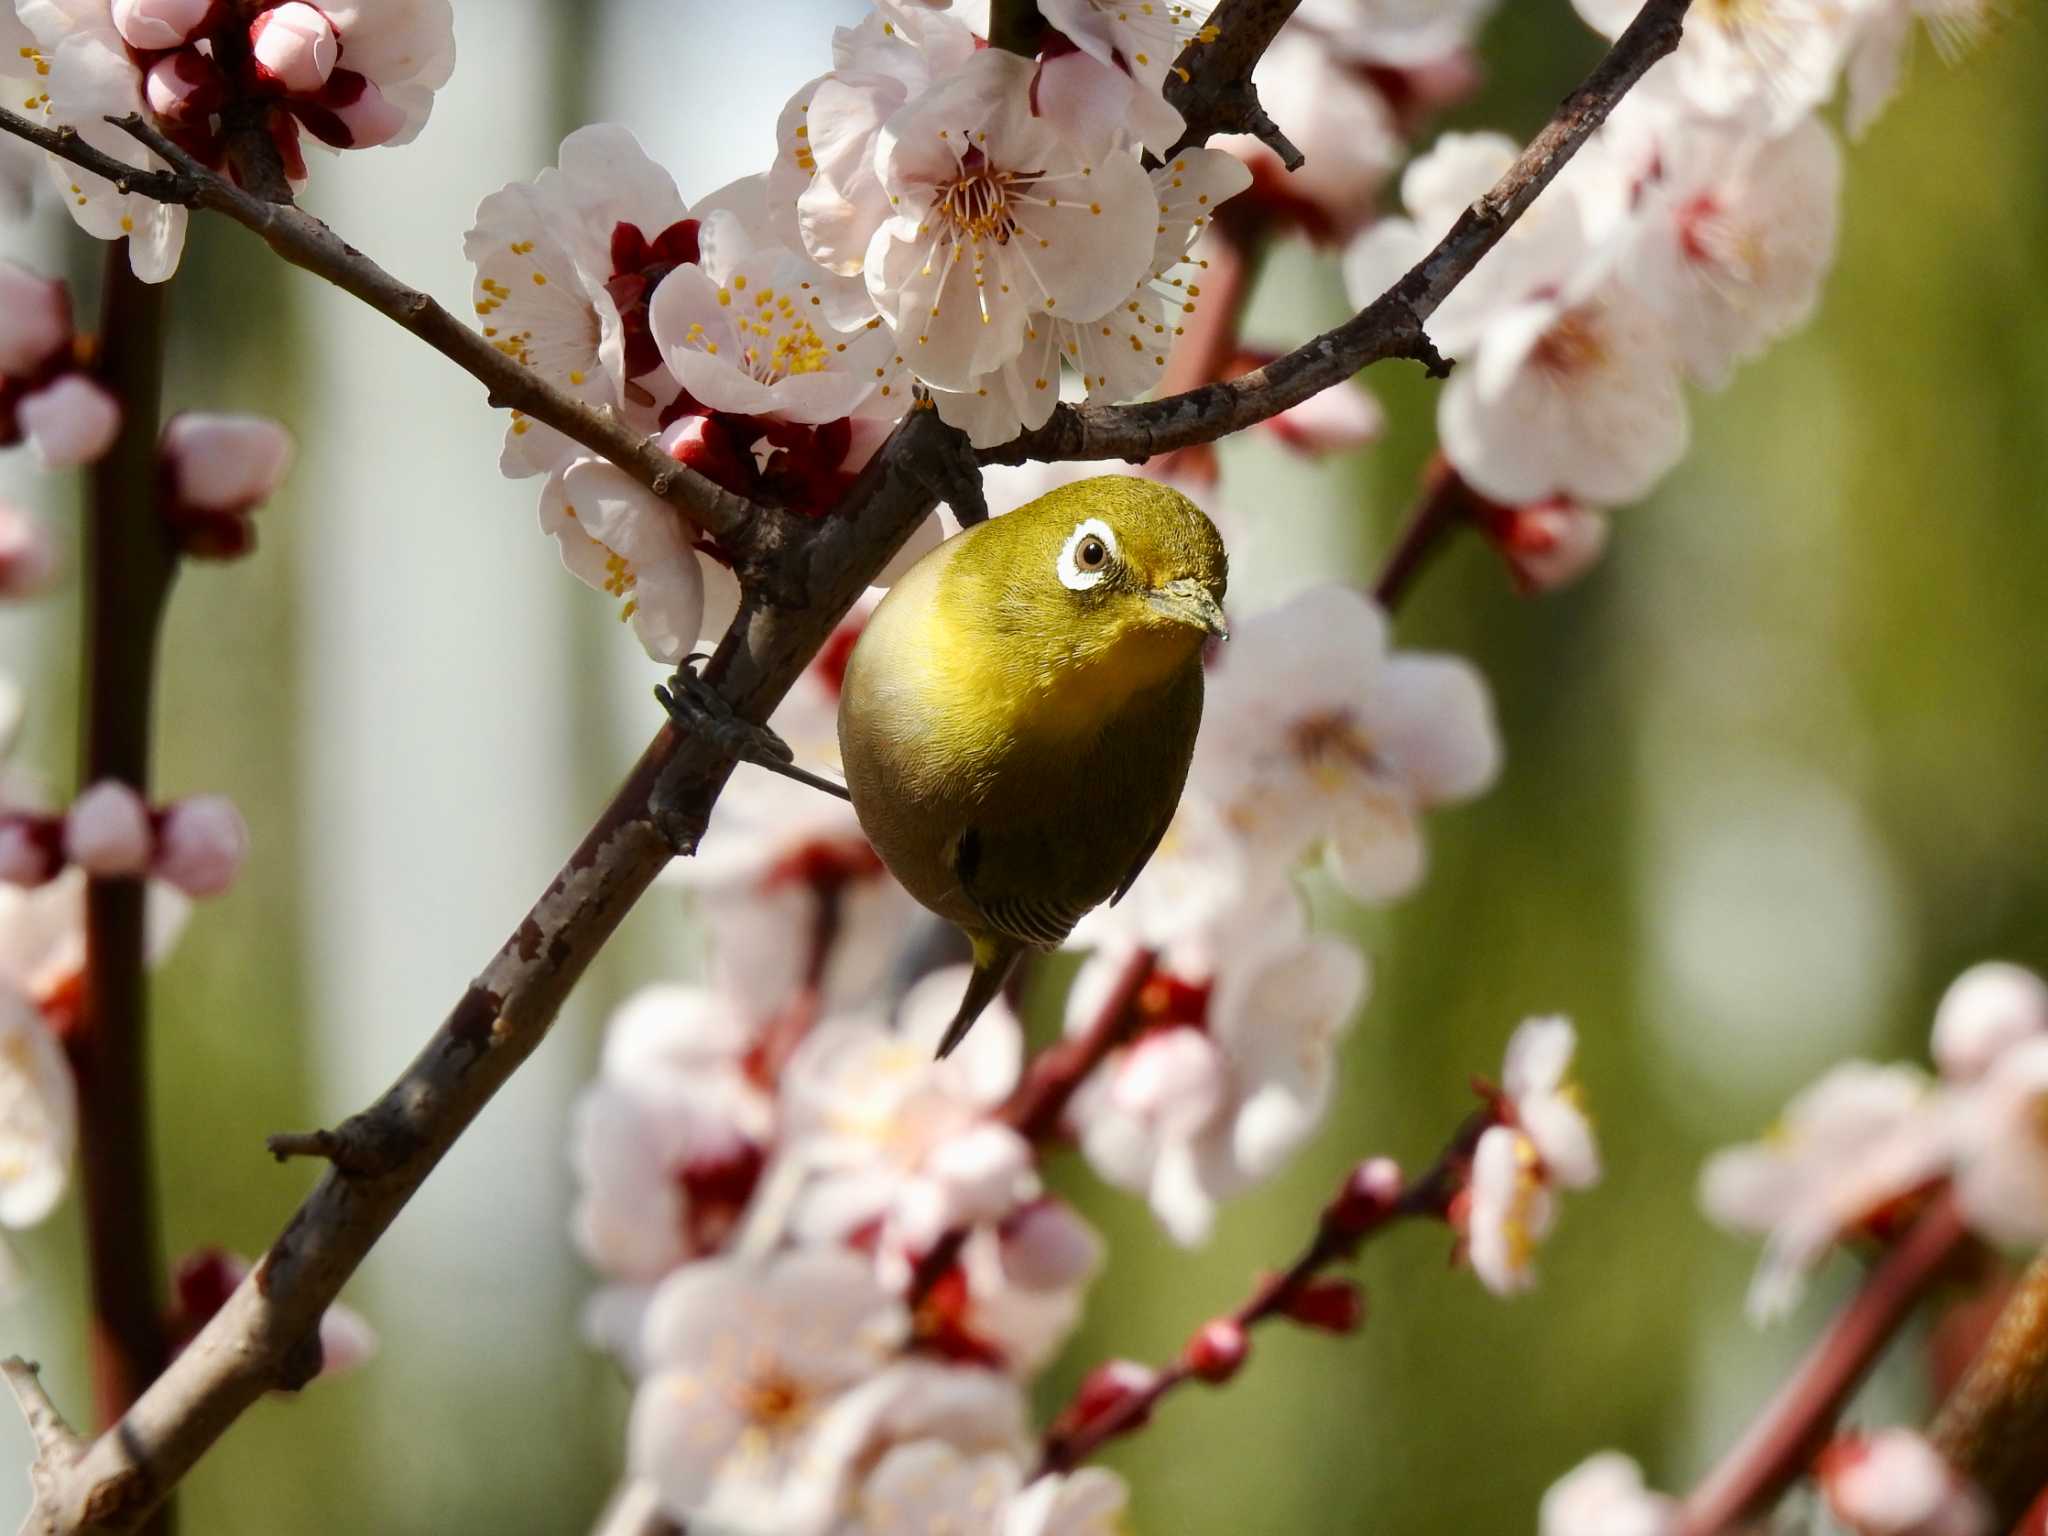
{"x": 1884, "y": 37}
{"x": 1511, "y": 1210}
{"x": 1604, "y": 1496}
{"x": 747, "y": 1416}
{"x": 1848, "y": 1145}
{"x": 997, "y": 221}
{"x": 1765, "y": 63}
{"x": 1546, "y": 1102}
{"x": 38, "y": 1114}
{"x": 1231, "y": 1072}
{"x": 616, "y": 536}
{"x": 1998, "y": 1134}
{"x": 1313, "y": 732}
{"x": 1401, "y": 34}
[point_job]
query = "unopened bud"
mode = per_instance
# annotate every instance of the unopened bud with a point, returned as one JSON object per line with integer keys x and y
{"x": 28, "y": 557}
{"x": 1218, "y": 1349}
{"x": 106, "y": 831}
{"x": 1330, "y": 1306}
{"x": 1369, "y": 1196}
{"x": 224, "y": 463}
{"x": 185, "y": 88}
{"x": 1113, "y": 1389}
{"x": 1548, "y": 544}
{"x": 352, "y": 114}
{"x": 35, "y": 320}
{"x": 1048, "y": 1247}
{"x": 294, "y": 46}
{"x": 706, "y": 447}
{"x": 1894, "y": 1483}
{"x": 201, "y": 845}
{"x": 153, "y": 25}
{"x": 1986, "y": 1010}
{"x": 71, "y": 422}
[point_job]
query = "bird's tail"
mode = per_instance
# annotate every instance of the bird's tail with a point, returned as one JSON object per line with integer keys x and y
{"x": 993, "y": 961}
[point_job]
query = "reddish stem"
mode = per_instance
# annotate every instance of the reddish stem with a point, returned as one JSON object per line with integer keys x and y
{"x": 1447, "y": 504}
{"x": 1781, "y": 1443}
{"x": 1050, "y": 1081}
{"x": 129, "y": 566}
{"x": 1428, "y": 1197}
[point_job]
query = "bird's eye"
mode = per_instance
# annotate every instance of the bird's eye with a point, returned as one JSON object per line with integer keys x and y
{"x": 1087, "y": 555}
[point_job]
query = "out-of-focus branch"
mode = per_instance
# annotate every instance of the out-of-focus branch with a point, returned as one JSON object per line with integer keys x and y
{"x": 1445, "y": 506}
{"x": 1994, "y": 1427}
{"x": 1356, "y": 1216}
{"x": 1212, "y": 83}
{"x": 1391, "y": 326}
{"x": 751, "y": 532}
{"x": 129, "y": 566}
{"x": 1780, "y": 1445}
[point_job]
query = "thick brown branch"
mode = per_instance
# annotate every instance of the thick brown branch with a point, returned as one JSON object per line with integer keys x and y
{"x": 753, "y": 533}
{"x": 1391, "y": 326}
{"x": 1994, "y": 1427}
{"x": 129, "y": 567}
{"x": 1779, "y": 1446}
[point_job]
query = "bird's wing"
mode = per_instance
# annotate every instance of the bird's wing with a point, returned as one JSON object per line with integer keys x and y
{"x": 1144, "y": 857}
{"x": 1041, "y": 921}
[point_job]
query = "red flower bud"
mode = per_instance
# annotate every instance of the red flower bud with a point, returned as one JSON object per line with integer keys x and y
{"x": 1331, "y": 1306}
{"x": 1367, "y": 1199}
{"x": 1218, "y": 1349}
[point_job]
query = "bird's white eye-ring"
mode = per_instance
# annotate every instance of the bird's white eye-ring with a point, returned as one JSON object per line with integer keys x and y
{"x": 1086, "y": 555}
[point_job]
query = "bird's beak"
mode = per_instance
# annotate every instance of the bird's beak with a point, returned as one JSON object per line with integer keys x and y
{"x": 1187, "y": 601}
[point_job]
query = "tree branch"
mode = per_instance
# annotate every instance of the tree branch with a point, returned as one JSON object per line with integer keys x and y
{"x": 1346, "y": 1226}
{"x": 754, "y": 533}
{"x": 1779, "y": 1446}
{"x": 130, "y": 563}
{"x": 1212, "y": 86}
{"x": 1391, "y": 326}
{"x": 1994, "y": 1427}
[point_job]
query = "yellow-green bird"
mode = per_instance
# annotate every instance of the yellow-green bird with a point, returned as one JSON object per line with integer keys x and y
{"x": 1019, "y": 713}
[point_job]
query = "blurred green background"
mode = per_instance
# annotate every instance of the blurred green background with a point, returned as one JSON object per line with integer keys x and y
{"x": 1775, "y": 773}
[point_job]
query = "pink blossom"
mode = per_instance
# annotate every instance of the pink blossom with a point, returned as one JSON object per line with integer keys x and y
{"x": 150, "y": 25}
{"x": 70, "y": 422}
{"x": 1985, "y": 1012}
{"x": 1604, "y": 1496}
{"x": 201, "y": 845}
{"x": 38, "y": 1114}
{"x": 107, "y": 833}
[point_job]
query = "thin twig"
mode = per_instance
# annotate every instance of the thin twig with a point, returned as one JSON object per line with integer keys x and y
{"x": 750, "y": 531}
{"x": 1780, "y": 1444}
{"x": 1336, "y": 1240}
{"x": 1444, "y": 507}
{"x": 1994, "y": 1427}
{"x": 1391, "y": 326}
{"x": 130, "y": 563}
{"x": 1212, "y": 83}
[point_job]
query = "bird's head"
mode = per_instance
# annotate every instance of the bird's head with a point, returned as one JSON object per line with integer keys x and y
{"x": 1115, "y": 569}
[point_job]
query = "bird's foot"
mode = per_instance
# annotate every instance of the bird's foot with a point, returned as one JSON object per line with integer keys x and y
{"x": 698, "y": 709}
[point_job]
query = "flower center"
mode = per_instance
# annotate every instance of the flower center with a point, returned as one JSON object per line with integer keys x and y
{"x": 1330, "y": 745}
{"x": 976, "y": 205}
{"x": 1572, "y": 346}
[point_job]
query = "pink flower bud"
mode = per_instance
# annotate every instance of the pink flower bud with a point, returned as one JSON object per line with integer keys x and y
{"x": 71, "y": 422}
{"x": 1893, "y": 1483}
{"x": 201, "y": 845}
{"x": 1548, "y": 545}
{"x": 1331, "y": 1306}
{"x": 35, "y": 320}
{"x": 294, "y": 46}
{"x": 106, "y": 831}
{"x": 28, "y": 557}
{"x": 185, "y": 88}
{"x": 225, "y": 464}
{"x": 1369, "y": 1197}
{"x": 1048, "y": 1247}
{"x": 351, "y": 113}
{"x": 1986, "y": 1010}
{"x": 1216, "y": 1352}
{"x": 31, "y": 850}
{"x": 153, "y": 25}
{"x": 1111, "y": 1390}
